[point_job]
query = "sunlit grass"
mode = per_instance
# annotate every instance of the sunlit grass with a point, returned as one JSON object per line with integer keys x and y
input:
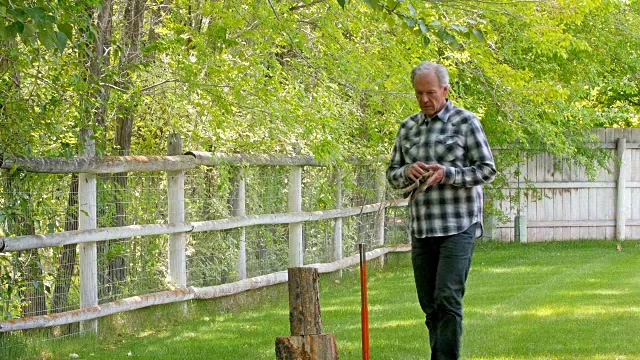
{"x": 565, "y": 300}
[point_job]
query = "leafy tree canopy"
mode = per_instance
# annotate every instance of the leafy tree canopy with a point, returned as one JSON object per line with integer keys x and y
{"x": 328, "y": 77}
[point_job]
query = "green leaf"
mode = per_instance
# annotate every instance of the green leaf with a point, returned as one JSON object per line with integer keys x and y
{"x": 37, "y": 14}
{"x": 374, "y": 4}
{"x": 19, "y": 25}
{"x": 390, "y": 20}
{"x": 412, "y": 10}
{"x": 445, "y": 36}
{"x": 423, "y": 27}
{"x": 61, "y": 41}
{"x": 341, "y": 3}
{"x": 47, "y": 38}
{"x": 411, "y": 22}
{"x": 66, "y": 29}
{"x": 478, "y": 34}
{"x": 425, "y": 40}
{"x": 9, "y": 32}
{"x": 17, "y": 13}
{"x": 27, "y": 33}
{"x": 458, "y": 27}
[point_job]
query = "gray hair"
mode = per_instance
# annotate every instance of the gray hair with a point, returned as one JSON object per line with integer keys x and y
{"x": 426, "y": 66}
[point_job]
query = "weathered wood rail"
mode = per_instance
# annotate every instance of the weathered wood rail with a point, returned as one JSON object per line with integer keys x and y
{"x": 25, "y": 242}
{"x": 179, "y": 295}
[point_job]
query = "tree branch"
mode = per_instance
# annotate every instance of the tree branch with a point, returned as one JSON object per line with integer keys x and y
{"x": 158, "y": 84}
{"x": 113, "y": 87}
{"x": 302, "y": 6}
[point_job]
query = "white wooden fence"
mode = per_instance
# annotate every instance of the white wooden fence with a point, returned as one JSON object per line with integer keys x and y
{"x": 175, "y": 165}
{"x": 573, "y": 208}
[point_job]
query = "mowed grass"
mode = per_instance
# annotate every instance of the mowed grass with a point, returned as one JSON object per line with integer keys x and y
{"x": 558, "y": 300}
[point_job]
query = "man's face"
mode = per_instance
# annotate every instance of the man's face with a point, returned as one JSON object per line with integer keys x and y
{"x": 431, "y": 96}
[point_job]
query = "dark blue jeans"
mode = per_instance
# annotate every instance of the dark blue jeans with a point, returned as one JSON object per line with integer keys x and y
{"x": 440, "y": 267}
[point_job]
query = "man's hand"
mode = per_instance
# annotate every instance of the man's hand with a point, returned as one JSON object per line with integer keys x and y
{"x": 438, "y": 174}
{"x": 417, "y": 169}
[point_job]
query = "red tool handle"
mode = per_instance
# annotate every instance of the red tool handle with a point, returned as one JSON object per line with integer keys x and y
{"x": 364, "y": 310}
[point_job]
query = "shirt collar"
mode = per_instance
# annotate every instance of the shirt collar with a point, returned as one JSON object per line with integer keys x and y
{"x": 443, "y": 115}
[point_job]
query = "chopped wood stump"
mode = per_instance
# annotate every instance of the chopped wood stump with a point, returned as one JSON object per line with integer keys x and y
{"x": 307, "y": 342}
{"x": 306, "y": 347}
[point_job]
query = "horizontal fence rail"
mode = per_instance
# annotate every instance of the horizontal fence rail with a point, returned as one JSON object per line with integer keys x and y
{"x": 20, "y": 243}
{"x": 179, "y": 295}
{"x": 99, "y": 165}
{"x": 117, "y": 164}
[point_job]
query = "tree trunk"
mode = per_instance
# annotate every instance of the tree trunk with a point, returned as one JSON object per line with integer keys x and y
{"x": 95, "y": 103}
{"x": 131, "y": 38}
{"x": 33, "y": 295}
{"x": 32, "y": 289}
{"x": 100, "y": 62}
{"x": 67, "y": 257}
{"x": 29, "y": 266}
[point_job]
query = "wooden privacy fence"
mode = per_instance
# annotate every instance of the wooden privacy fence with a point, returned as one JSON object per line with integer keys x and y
{"x": 175, "y": 165}
{"x": 571, "y": 207}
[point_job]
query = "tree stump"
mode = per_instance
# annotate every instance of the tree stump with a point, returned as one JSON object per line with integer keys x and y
{"x": 307, "y": 342}
{"x": 306, "y": 347}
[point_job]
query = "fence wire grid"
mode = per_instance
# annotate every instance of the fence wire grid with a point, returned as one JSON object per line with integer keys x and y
{"x": 46, "y": 280}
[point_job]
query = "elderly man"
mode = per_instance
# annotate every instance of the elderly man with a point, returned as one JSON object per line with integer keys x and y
{"x": 443, "y": 148}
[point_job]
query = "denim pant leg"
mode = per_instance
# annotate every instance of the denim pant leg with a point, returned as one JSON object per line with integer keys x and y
{"x": 440, "y": 266}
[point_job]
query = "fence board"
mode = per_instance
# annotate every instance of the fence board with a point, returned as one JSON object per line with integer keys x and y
{"x": 568, "y": 194}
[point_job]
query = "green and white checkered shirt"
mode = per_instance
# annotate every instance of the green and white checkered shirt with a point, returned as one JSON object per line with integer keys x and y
{"x": 455, "y": 139}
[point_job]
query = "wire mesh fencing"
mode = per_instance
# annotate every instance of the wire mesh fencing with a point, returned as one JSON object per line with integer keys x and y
{"x": 46, "y": 280}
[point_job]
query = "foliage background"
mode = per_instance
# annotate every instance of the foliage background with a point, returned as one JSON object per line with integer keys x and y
{"x": 267, "y": 76}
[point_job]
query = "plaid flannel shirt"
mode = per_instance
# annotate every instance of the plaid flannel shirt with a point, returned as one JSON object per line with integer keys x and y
{"x": 455, "y": 139}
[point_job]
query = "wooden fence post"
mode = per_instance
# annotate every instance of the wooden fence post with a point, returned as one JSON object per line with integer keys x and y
{"x": 87, "y": 219}
{"x": 621, "y": 216}
{"x": 240, "y": 209}
{"x": 307, "y": 340}
{"x": 296, "y": 249}
{"x": 381, "y": 214}
{"x": 490, "y": 228}
{"x": 520, "y": 228}
{"x": 177, "y": 241}
{"x": 337, "y": 225}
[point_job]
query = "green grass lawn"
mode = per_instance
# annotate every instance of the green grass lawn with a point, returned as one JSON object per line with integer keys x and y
{"x": 561, "y": 300}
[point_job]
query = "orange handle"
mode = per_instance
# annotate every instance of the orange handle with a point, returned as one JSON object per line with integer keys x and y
{"x": 364, "y": 309}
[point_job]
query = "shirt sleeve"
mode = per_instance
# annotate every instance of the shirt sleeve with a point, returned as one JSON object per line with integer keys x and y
{"x": 481, "y": 169}
{"x": 397, "y": 170}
